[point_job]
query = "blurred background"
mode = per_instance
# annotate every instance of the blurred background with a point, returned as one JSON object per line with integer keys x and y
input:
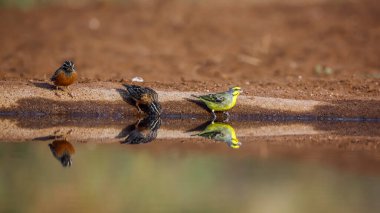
{"x": 192, "y": 40}
{"x": 166, "y": 177}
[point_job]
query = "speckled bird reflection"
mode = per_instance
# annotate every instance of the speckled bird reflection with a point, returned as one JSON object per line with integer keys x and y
{"x": 143, "y": 131}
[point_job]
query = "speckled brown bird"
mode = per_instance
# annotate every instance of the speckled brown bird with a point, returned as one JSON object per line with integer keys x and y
{"x": 62, "y": 151}
{"x": 65, "y": 75}
{"x": 144, "y": 96}
{"x": 143, "y": 131}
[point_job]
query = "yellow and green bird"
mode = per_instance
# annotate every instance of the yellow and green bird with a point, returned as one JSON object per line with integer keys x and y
{"x": 221, "y": 132}
{"x": 222, "y": 101}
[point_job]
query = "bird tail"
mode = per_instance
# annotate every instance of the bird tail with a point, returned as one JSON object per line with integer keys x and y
{"x": 126, "y": 85}
{"x": 132, "y": 90}
{"x": 195, "y": 96}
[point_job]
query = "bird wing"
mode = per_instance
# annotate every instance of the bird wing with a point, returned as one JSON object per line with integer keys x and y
{"x": 216, "y": 98}
{"x": 135, "y": 137}
{"x": 55, "y": 75}
{"x": 210, "y": 134}
{"x": 134, "y": 91}
{"x": 125, "y": 132}
{"x": 152, "y": 93}
{"x": 139, "y": 137}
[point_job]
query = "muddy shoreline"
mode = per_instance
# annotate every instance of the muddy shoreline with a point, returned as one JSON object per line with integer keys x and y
{"x": 107, "y": 99}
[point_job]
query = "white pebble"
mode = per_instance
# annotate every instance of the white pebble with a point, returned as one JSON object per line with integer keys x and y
{"x": 137, "y": 79}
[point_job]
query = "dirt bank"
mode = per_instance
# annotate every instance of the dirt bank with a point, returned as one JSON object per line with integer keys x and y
{"x": 106, "y": 99}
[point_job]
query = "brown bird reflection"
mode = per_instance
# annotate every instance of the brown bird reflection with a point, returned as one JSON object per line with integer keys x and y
{"x": 62, "y": 151}
{"x": 143, "y": 131}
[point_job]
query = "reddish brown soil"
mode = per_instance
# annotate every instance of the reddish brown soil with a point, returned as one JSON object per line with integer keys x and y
{"x": 273, "y": 46}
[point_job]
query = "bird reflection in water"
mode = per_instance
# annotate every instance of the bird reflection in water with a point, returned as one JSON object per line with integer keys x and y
{"x": 62, "y": 151}
{"x": 220, "y": 132}
{"x": 143, "y": 131}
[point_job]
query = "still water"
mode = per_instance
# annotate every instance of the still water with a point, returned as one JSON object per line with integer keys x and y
{"x": 150, "y": 165}
{"x": 180, "y": 176}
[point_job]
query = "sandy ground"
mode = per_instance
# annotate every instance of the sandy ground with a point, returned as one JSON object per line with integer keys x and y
{"x": 110, "y": 99}
{"x": 239, "y": 42}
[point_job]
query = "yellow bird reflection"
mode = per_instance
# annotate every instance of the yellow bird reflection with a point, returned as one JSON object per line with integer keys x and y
{"x": 221, "y": 132}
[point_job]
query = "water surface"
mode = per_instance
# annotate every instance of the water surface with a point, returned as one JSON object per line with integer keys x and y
{"x": 179, "y": 176}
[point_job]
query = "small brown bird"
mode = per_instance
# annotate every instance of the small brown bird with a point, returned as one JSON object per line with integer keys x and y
{"x": 143, "y": 131}
{"x": 144, "y": 96}
{"x": 65, "y": 76}
{"x": 62, "y": 151}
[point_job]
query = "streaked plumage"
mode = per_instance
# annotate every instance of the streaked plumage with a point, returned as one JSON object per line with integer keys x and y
{"x": 143, "y": 131}
{"x": 221, "y": 132}
{"x": 62, "y": 151}
{"x": 221, "y": 101}
{"x": 144, "y": 96}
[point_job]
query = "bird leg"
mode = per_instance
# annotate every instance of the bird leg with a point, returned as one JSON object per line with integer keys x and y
{"x": 226, "y": 113}
{"x": 138, "y": 107}
{"x": 227, "y": 116}
{"x": 69, "y": 92}
{"x": 138, "y": 122}
{"x": 57, "y": 91}
{"x": 63, "y": 135}
{"x": 213, "y": 115}
{"x": 67, "y": 134}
